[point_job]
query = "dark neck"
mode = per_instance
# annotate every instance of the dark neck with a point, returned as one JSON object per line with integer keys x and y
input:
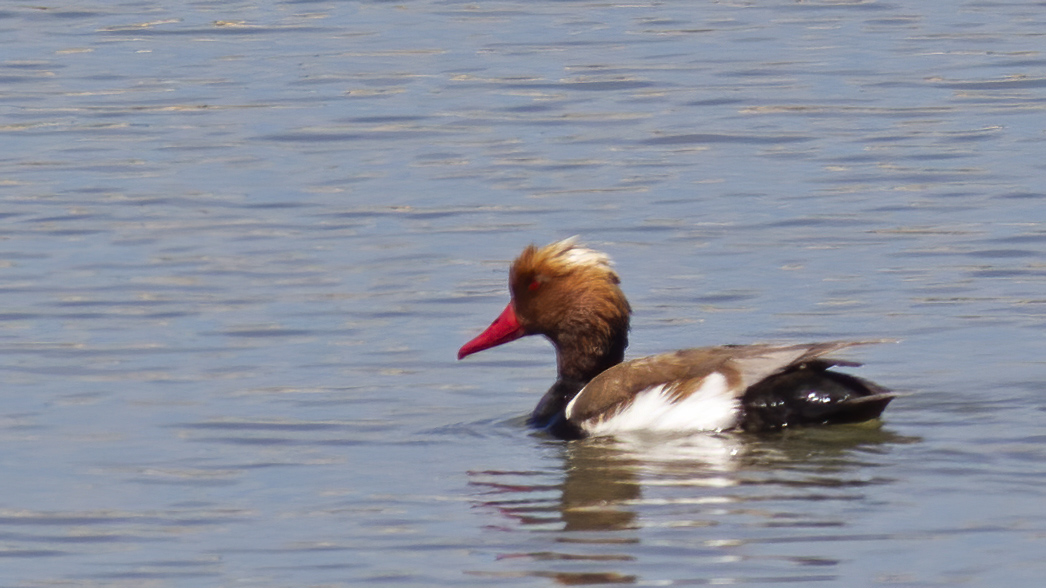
{"x": 579, "y": 359}
{"x": 549, "y": 410}
{"x": 585, "y": 357}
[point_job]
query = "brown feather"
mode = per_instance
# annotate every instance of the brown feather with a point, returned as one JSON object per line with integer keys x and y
{"x": 682, "y": 372}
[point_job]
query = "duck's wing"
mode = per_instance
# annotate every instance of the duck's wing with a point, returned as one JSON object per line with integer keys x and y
{"x": 715, "y": 377}
{"x": 758, "y": 362}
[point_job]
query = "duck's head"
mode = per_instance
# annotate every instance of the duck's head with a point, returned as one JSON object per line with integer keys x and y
{"x": 569, "y": 294}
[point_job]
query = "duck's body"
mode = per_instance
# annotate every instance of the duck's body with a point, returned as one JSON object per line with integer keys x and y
{"x": 571, "y": 295}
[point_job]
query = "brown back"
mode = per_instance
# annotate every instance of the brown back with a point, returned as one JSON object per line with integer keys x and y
{"x": 682, "y": 372}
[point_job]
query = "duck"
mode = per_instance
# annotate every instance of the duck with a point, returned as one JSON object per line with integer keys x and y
{"x": 571, "y": 295}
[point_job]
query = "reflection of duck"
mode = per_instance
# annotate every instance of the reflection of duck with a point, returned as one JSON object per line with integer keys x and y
{"x": 604, "y": 476}
{"x": 605, "y": 479}
{"x": 600, "y": 483}
{"x": 624, "y": 501}
{"x": 570, "y": 294}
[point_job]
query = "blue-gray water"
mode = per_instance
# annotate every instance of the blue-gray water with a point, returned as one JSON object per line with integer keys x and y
{"x": 241, "y": 242}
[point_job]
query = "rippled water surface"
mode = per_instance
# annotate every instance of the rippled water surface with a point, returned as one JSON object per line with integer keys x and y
{"x": 240, "y": 243}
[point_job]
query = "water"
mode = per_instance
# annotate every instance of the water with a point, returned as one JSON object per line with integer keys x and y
{"x": 241, "y": 242}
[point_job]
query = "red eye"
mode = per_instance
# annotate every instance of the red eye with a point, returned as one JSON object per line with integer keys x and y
{"x": 534, "y": 285}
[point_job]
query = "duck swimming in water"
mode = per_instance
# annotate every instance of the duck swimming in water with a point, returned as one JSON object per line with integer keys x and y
{"x": 571, "y": 295}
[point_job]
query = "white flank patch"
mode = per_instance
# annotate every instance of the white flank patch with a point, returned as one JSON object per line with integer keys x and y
{"x": 712, "y": 407}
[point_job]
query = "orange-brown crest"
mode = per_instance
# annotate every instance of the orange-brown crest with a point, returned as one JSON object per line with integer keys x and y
{"x": 552, "y": 285}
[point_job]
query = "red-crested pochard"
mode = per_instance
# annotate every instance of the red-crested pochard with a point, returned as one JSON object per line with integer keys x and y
{"x": 570, "y": 294}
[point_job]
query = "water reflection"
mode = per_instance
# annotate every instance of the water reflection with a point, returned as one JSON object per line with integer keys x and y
{"x": 622, "y": 506}
{"x": 604, "y": 477}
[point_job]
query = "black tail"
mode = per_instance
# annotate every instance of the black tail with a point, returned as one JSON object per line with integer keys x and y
{"x": 810, "y": 394}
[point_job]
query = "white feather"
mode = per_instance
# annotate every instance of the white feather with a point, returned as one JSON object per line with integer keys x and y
{"x": 712, "y": 407}
{"x": 579, "y": 255}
